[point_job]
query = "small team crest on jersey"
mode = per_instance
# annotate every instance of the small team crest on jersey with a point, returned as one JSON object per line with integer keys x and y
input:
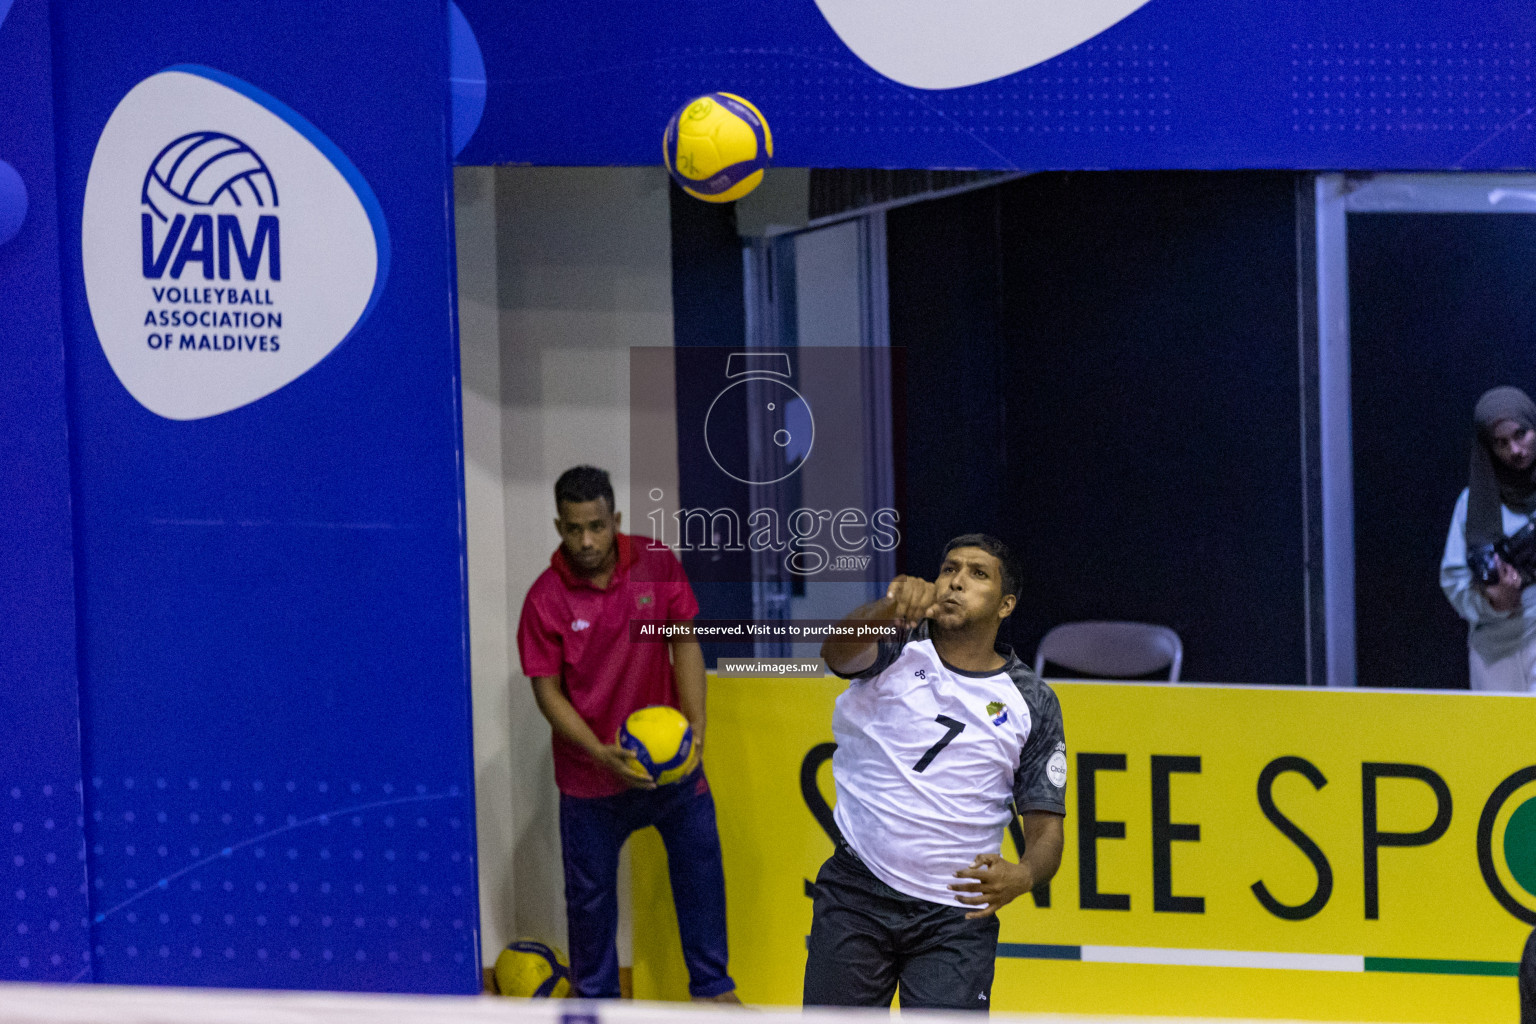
{"x": 580, "y": 624}
{"x": 645, "y": 600}
{"x": 998, "y": 712}
{"x": 1056, "y": 768}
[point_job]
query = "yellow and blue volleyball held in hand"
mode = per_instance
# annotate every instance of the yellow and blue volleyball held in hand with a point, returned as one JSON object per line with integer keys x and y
{"x": 716, "y": 147}
{"x": 531, "y": 970}
{"x": 661, "y": 739}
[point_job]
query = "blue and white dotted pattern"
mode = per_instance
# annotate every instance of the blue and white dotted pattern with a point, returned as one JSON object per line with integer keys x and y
{"x": 283, "y": 883}
{"x": 1123, "y": 88}
{"x": 45, "y": 928}
{"x": 1397, "y": 86}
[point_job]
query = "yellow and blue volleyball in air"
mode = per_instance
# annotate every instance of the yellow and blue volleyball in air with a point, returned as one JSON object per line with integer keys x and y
{"x": 532, "y": 970}
{"x": 661, "y": 739}
{"x": 717, "y": 146}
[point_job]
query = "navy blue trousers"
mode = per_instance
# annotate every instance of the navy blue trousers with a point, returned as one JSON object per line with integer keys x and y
{"x": 591, "y": 834}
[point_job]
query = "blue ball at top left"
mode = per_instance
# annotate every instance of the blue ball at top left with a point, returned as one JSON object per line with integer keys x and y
{"x": 13, "y": 202}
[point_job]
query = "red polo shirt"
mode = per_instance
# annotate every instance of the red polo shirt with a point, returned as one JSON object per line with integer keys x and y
{"x": 573, "y": 630}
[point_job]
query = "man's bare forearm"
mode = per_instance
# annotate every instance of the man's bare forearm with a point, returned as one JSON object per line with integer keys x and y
{"x": 562, "y": 715}
{"x": 567, "y": 722}
{"x": 850, "y": 657}
{"x": 1042, "y": 845}
{"x": 688, "y": 671}
{"x": 908, "y": 600}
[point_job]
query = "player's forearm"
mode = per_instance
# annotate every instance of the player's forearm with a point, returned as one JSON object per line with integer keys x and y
{"x": 1043, "y": 842}
{"x": 851, "y": 656}
{"x": 562, "y": 715}
{"x": 688, "y": 670}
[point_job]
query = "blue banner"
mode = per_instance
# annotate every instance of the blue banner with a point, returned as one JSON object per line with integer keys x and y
{"x": 44, "y": 934}
{"x": 1324, "y": 84}
{"x": 258, "y": 282}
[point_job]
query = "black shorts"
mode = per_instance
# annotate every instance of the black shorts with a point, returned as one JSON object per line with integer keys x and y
{"x": 867, "y": 939}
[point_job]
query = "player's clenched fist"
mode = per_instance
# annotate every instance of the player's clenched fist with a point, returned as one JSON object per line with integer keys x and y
{"x": 912, "y": 600}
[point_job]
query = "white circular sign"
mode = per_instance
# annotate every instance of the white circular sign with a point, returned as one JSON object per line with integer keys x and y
{"x": 228, "y": 246}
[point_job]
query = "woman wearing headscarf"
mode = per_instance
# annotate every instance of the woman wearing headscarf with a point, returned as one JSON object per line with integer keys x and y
{"x": 1500, "y": 499}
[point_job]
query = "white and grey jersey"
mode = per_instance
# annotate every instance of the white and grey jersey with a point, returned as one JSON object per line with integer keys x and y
{"x": 932, "y": 760}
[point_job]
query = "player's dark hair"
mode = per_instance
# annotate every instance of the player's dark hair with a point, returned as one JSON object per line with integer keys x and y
{"x": 583, "y": 483}
{"x": 994, "y": 547}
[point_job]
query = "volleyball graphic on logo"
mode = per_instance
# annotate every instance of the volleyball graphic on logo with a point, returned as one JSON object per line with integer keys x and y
{"x": 205, "y": 169}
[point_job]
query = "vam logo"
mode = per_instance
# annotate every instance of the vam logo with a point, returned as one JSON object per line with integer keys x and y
{"x": 931, "y": 45}
{"x": 194, "y": 179}
{"x": 206, "y": 291}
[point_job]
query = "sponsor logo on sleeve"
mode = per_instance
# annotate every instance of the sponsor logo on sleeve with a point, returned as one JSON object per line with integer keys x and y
{"x": 228, "y": 246}
{"x": 1056, "y": 769}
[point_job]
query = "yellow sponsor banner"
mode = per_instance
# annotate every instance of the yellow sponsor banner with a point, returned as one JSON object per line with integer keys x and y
{"x": 1230, "y": 851}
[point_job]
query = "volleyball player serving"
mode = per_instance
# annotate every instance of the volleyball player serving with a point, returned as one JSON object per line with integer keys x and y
{"x": 942, "y": 737}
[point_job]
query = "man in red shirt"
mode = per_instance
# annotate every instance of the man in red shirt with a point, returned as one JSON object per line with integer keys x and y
{"x": 588, "y": 676}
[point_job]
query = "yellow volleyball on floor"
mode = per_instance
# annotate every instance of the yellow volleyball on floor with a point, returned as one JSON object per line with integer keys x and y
{"x": 532, "y": 970}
